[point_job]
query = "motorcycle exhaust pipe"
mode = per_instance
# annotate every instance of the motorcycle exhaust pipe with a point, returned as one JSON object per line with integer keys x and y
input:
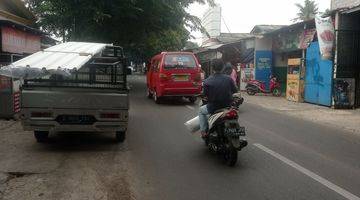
{"x": 243, "y": 143}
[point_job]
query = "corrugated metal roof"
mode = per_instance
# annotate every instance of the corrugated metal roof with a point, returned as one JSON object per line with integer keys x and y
{"x": 232, "y": 37}
{"x": 67, "y": 55}
{"x": 262, "y": 29}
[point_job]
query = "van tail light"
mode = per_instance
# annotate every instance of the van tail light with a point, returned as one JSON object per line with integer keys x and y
{"x": 197, "y": 77}
{"x": 41, "y": 114}
{"x": 163, "y": 77}
{"x": 110, "y": 115}
{"x": 232, "y": 114}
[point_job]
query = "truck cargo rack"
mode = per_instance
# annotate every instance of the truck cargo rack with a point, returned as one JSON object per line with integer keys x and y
{"x": 105, "y": 71}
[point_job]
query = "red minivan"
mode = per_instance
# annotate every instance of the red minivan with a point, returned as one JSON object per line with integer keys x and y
{"x": 174, "y": 74}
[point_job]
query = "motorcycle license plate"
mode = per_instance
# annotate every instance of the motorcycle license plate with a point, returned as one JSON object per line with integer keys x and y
{"x": 236, "y": 131}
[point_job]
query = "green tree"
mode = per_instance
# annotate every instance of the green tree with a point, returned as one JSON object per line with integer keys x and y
{"x": 191, "y": 45}
{"x": 307, "y": 11}
{"x": 144, "y": 27}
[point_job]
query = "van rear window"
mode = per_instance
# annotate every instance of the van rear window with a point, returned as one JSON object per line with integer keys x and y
{"x": 179, "y": 61}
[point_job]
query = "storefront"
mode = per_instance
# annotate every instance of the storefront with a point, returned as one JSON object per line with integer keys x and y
{"x": 240, "y": 53}
{"x": 290, "y": 42}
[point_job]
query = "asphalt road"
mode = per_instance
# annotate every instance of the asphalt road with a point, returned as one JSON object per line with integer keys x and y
{"x": 287, "y": 158}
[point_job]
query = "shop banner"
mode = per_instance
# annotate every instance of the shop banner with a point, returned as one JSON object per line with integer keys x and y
{"x": 263, "y": 66}
{"x": 16, "y": 41}
{"x": 306, "y": 38}
{"x": 247, "y": 74}
{"x": 326, "y": 36}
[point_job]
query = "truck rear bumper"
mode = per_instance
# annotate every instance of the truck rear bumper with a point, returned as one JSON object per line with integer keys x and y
{"x": 56, "y": 124}
{"x": 31, "y": 125}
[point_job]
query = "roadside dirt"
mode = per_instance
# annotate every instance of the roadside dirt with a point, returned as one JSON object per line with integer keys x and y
{"x": 68, "y": 167}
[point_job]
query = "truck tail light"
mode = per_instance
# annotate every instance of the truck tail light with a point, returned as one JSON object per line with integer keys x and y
{"x": 41, "y": 114}
{"x": 110, "y": 115}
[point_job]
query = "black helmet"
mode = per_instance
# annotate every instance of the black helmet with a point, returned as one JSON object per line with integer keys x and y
{"x": 217, "y": 65}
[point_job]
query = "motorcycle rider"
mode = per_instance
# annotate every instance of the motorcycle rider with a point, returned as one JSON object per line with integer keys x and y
{"x": 230, "y": 71}
{"x": 218, "y": 89}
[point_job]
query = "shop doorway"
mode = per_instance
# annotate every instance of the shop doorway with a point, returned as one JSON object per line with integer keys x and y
{"x": 348, "y": 62}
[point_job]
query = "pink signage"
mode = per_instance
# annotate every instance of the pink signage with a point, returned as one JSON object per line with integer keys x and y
{"x": 16, "y": 41}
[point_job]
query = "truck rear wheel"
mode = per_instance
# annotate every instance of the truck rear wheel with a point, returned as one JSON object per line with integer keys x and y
{"x": 120, "y": 136}
{"x": 41, "y": 136}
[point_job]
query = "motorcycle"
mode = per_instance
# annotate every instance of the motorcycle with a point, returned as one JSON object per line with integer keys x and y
{"x": 225, "y": 136}
{"x": 254, "y": 86}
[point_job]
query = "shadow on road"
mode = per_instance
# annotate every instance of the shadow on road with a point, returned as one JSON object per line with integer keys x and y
{"x": 82, "y": 142}
{"x": 175, "y": 101}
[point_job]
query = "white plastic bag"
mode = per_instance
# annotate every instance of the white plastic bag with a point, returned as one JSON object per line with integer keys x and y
{"x": 193, "y": 124}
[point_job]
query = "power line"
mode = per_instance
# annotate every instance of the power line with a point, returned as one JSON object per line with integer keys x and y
{"x": 225, "y": 24}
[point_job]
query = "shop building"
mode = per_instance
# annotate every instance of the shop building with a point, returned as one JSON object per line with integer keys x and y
{"x": 18, "y": 38}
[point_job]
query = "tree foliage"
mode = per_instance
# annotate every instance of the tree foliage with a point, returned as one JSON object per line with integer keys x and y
{"x": 143, "y": 26}
{"x": 307, "y": 11}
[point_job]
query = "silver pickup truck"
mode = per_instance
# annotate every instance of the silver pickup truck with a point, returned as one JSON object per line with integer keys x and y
{"x": 93, "y": 98}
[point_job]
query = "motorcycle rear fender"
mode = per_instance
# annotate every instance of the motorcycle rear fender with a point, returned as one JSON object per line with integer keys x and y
{"x": 252, "y": 87}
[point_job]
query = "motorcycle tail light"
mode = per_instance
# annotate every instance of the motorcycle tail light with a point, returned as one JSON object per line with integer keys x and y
{"x": 232, "y": 114}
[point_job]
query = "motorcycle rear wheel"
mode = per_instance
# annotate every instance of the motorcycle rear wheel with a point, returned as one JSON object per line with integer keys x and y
{"x": 230, "y": 157}
{"x": 250, "y": 92}
{"x": 276, "y": 92}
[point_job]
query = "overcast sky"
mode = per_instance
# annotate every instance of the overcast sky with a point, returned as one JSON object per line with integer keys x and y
{"x": 242, "y": 15}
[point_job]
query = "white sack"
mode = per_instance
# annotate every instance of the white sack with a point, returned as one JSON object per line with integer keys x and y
{"x": 193, "y": 125}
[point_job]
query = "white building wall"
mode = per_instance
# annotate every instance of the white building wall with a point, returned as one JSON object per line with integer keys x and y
{"x": 263, "y": 44}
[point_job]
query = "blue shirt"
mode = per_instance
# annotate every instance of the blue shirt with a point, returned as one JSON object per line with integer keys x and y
{"x": 219, "y": 89}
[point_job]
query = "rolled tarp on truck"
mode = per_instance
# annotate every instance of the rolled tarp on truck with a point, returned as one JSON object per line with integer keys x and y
{"x": 73, "y": 87}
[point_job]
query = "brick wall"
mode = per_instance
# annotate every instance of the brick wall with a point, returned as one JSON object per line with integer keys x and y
{"x": 335, "y": 4}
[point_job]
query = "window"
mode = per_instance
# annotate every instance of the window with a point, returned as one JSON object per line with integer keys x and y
{"x": 179, "y": 61}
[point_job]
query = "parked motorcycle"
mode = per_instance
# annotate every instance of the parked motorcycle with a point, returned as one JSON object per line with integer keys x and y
{"x": 225, "y": 135}
{"x": 254, "y": 86}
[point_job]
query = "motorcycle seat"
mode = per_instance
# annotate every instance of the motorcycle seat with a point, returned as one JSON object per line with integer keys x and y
{"x": 219, "y": 111}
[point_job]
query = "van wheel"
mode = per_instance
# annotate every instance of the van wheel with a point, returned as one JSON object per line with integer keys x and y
{"x": 149, "y": 95}
{"x": 192, "y": 99}
{"x": 156, "y": 98}
{"x": 41, "y": 136}
{"x": 120, "y": 136}
{"x": 250, "y": 92}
